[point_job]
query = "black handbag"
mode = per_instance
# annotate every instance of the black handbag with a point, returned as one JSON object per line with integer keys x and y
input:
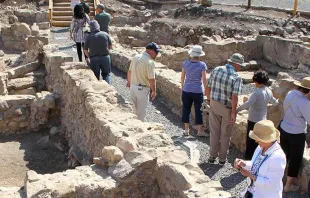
{"x": 248, "y": 195}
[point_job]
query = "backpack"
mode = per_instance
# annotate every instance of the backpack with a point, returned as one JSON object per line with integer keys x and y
{"x": 86, "y": 7}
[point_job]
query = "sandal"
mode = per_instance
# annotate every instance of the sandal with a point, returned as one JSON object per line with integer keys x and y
{"x": 186, "y": 133}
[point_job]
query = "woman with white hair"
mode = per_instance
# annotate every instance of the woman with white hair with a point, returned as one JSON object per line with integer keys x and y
{"x": 194, "y": 85}
{"x": 265, "y": 171}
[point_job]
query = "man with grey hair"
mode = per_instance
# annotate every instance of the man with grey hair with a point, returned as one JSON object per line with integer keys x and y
{"x": 97, "y": 49}
{"x": 103, "y": 18}
{"x": 223, "y": 88}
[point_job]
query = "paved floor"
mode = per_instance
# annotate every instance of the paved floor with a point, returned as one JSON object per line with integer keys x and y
{"x": 287, "y": 4}
{"x": 230, "y": 179}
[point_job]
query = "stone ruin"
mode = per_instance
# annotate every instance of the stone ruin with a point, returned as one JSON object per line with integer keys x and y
{"x": 120, "y": 156}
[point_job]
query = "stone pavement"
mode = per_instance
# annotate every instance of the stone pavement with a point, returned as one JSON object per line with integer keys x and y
{"x": 285, "y": 4}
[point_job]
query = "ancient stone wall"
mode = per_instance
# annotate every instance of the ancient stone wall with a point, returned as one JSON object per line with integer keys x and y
{"x": 30, "y": 16}
{"x": 136, "y": 159}
{"x": 14, "y": 36}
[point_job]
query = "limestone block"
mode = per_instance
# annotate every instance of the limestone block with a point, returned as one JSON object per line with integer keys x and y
{"x": 181, "y": 41}
{"x": 44, "y": 99}
{"x": 282, "y": 52}
{"x": 3, "y": 83}
{"x": 44, "y": 25}
{"x": 35, "y": 30}
{"x": 173, "y": 179}
{"x": 113, "y": 154}
{"x": 64, "y": 189}
{"x": 136, "y": 158}
{"x": 101, "y": 162}
{"x": 239, "y": 131}
{"x": 13, "y": 19}
{"x": 120, "y": 170}
{"x": 10, "y": 192}
{"x": 21, "y": 70}
{"x": 127, "y": 144}
{"x": 22, "y": 83}
{"x": 21, "y": 30}
{"x": 29, "y": 91}
{"x": 1, "y": 53}
{"x": 35, "y": 48}
{"x": 154, "y": 140}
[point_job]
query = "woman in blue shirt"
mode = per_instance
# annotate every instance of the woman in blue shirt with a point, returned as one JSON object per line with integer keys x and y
{"x": 193, "y": 80}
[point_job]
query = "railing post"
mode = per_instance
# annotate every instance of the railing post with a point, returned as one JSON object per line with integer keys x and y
{"x": 295, "y": 7}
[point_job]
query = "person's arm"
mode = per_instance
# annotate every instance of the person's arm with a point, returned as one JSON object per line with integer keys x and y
{"x": 182, "y": 78}
{"x": 151, "y": 78}
{"x": 248, "y": 103}
{"x": 305, "y": 110}
{"x": 110, "y": 42}
{"x": 87, "y": 19}
{"x": 71, "y": 27}
{"x": 237, "y": 88}
{"x": 209, "y": 83}
{"x": 204, "y": 79}
{"x": 129, "y": 72}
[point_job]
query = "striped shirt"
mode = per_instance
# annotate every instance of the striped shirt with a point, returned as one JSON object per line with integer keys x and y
{"x": 224, "y": 81}
{"x": 193, "y": 77}
{"x": 77, "y": 28}
{"x": 298, "y": 114}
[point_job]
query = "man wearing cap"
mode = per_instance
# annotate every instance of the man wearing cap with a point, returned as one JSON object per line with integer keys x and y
{"x": 141, "y": 79}
{"x": 293, "y": 128}
{"x": 103, "y": 18}
{"x": 97, "y": 49}
{"x": 223, "y": 88}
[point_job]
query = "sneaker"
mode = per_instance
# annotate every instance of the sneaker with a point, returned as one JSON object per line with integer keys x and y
{"x": 211, "y": 160}
{"x": 222, "y": 163}
{"x": 291, "y": 188}
{"x": 202, "y": 134}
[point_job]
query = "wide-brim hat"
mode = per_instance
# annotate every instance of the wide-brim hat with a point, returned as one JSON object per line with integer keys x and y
{"x": 237, "y": 59}
{"x": 305, "y": 83}
{"x": 196, "y": 51}
{"x": 264, "y": 131}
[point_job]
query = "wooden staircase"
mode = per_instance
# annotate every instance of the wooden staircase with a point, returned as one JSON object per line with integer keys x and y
{"x": 61, "y": 13}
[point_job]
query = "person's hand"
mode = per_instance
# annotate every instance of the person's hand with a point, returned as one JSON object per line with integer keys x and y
{"x": 153, "y": 95}
{"x": 233, "y": 117}
{"x": 306, "y": 144}
{"x": 71, "y": 38}
{"x": 239, "y": 163}
{"x": 246, "y": 173}
{"x": 128, "y": 84}
{"x": 87, "y": 61}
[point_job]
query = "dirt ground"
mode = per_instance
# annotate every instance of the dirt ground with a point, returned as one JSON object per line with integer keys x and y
{"x": 20, "y": 153}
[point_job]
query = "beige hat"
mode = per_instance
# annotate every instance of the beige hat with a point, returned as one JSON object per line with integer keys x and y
{"x": 196, "y": 51}
{"x": 237, "y": 59}
{"x": 305, "y": 83}
{"x": 264, "y": 131}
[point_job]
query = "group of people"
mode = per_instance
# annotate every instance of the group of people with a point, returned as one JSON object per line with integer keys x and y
{"x": 94, "y": 43}
{"x": 268, "y": 148}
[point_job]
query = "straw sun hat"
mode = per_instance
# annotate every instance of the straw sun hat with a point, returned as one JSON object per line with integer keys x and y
{"x": 264, "y": 131}
{"x": 305, "y": 83}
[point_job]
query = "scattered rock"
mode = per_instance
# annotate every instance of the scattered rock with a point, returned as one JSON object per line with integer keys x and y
{"x": 207, "y": 3}
{"x": 280, "y": 31}
{"x": 101, "y": 162}
{"x": 290, "y": 29}
{"x": 43, "y": 140}
{"x": 113, "y": 154}
{"x": 127, "y": 144}
{"x": 181, "y": 41}
{"x": 54, "y": 130}
{"x": 1, "y": 53}
{"x": 120, "y": 170}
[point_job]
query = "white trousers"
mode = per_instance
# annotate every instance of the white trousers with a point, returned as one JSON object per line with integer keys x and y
{"x": 140, "y": 99}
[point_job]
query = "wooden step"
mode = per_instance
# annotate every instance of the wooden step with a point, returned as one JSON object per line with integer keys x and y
{"x": 62, "y": 18}
{"x": 61, "y": 23}
{"x": 66, "y": 4}
{"x": 69, "y": 9}
{"x": 61, "y": 1}
{"x": 68, "y": 13}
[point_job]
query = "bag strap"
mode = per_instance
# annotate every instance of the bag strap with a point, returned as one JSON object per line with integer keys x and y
{"x": 289, "y": 105}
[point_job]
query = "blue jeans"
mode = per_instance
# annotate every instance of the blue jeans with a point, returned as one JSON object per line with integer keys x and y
{"x": 188, "y": 99}
{"x": 103, "y": 64}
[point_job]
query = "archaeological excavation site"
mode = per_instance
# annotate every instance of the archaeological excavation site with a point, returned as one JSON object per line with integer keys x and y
{"x": 64, "y": 134}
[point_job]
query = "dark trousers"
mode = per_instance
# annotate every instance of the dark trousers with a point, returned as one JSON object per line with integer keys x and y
{"x": 188, "y": 99}
{"x": 79, "y": 49}
{"x": 293, "y": 146}
{"x": 251, "y": 145}
{"x": 101, "y": 64}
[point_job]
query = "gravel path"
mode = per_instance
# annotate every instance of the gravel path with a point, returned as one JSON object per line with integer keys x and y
{"x": 231, "y": 180}
{"x": 287, "y": 4}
